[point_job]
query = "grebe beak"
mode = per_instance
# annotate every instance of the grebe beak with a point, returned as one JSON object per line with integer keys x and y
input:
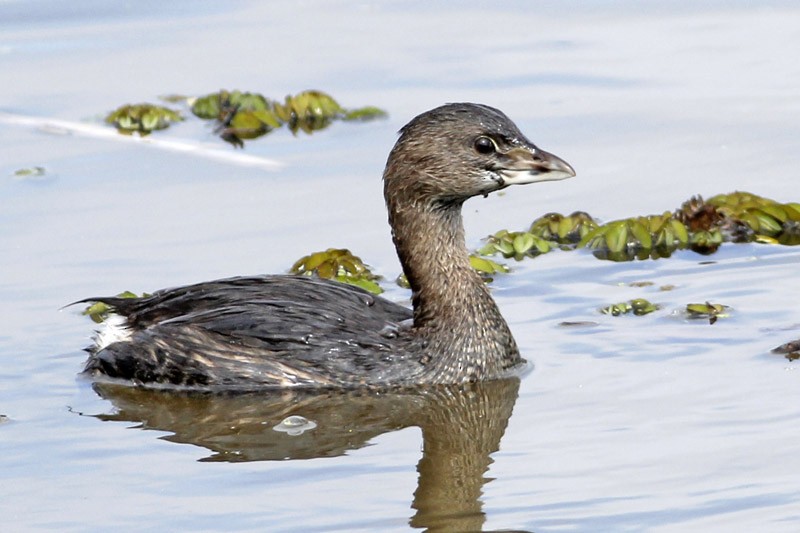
{"x": 531, "y": 165}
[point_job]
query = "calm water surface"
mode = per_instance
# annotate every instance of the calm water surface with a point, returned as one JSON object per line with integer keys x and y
{"x": 646, "y": 423}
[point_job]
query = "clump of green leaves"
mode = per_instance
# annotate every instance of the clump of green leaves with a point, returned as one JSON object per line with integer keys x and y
{"x": 363, "y": 113}
{"x": 308, "y": 111}
{"x": 699, "y": 225}
{"x": 706, "y": 242}
{"x": 743, "y": 217}
{"x": 645, "y": 237}
{"x": 338, "y": 264}
{"x": 313, "y": 110}
{"x": 546, "y": 233}
{"x": 239, "y": 115}
{"x": 99, "y": 311}
{"x": 638, "y": 307}
{"x": 707, "y": 310}
{"x": 244, "y": 115}
{"x": 516, "y": 244}
{"x": 220, "y": 105}
{"x": 485, "y": 267}
{"x": 142, "y": 118}
{"x": 561, "y": 229}
{"x": 29, "y": 173}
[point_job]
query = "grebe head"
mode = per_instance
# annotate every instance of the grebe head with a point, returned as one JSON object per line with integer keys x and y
{"x": 457, "y": 151}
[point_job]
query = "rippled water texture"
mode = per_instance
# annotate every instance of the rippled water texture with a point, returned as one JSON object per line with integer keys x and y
{"x": 637, "y": 423}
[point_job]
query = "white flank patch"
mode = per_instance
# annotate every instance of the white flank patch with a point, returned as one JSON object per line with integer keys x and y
{"x": 114, "y": 330}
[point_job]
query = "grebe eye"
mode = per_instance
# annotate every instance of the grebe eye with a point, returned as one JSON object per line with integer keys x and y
{"x": 484, "y": 145}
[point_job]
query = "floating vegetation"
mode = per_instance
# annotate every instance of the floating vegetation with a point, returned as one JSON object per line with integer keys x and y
{"x": 338, "y": 264}
{"x": 561, "y": 229}
{"x": 30, "y": 173}
{"x": 653, "y": 236}
{"x": 744, "y": 217}
{"x": 241, "y": 115}
{"x": 244, "y": 115}
{"x": 486, "y": 267}
{"x": 707, "y": 310}
{"x": 99, "y": 311}
{"x": 546, "y": 233}
{"x": 142, "y": 118}
{"x": 310, "y": 111}
{"x": 175, "y": 98}
{"x": 699, "y": 225}
{"x": 791, "y": 350}
{"x": 363, "y": 113}
{"x": 516, "y": 244}
{"x": 706, "y": 242}
{"x": 222, "y": 104}
{"x": 638, "y": 307}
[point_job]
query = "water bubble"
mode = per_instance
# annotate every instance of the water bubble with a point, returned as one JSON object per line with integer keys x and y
{"x": 295, "y": 425}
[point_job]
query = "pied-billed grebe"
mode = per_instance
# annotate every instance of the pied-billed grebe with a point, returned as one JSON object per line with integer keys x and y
{"x": 287, "y": 331}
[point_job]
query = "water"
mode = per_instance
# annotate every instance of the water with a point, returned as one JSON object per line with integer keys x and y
{"x": 638, "y": 423}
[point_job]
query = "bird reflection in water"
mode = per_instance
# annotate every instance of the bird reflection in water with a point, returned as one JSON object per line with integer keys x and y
{"x": 461, "y": 427}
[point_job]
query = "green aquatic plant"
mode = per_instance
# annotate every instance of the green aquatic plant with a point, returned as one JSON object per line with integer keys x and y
{"x": 706, "y": 242}
{"x": 768, "y": 221}
{"x": 142, "y": 118}
{"x": 546, "y": 233}
{"x": 244, "y": 115}
{"x": 486, "y": 268}
{"x": 173, "y": 98}
{"x": 364, "y": 113}
{"x": 516, "y": 244}
{"x": 220, "y": 105}
{"x": 312, "y": 110}
{"x": 239, "y": 115}
{"x": 653, "y": 236}
{"x": 638, "y": 307}
{"x": 639, "y": 284}
{"x": 99, "y": 311}
{"x": 308, "y": 111}
{"x": 699, "y": 225}
{"x": 707, "y": 310}
{"x": 561, "y": 229}
{"x": 338, "y": 264}
{"x": 744, "y": 217}
{"x": 30, "y": 173}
